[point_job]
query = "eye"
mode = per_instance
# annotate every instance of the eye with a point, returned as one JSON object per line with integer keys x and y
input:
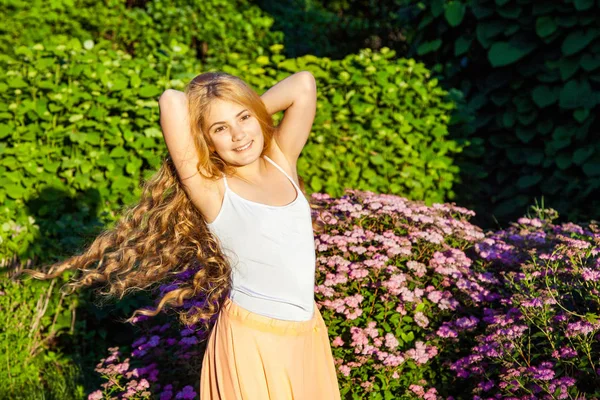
{"x": 218, "y": 129}
{"x": 244, "y": 117}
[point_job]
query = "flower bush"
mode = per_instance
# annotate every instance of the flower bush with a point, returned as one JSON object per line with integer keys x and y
{"x": 541, "y": 340}
{"x": 420, "y": 303}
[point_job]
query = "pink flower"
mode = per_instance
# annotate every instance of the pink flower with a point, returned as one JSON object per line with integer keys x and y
{"x": 97, "y": 395}
{"x": 345, "y": 370}
{"x": 421, "y": 319}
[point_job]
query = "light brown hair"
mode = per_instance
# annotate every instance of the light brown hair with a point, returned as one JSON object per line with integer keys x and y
{"x": 165, "y": 234}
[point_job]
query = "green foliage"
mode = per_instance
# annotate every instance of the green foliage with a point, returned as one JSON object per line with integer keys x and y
{"x": 33, "y": 317}
{"x": 530, "y": 72}
{"x": 75, "y": 119}
{"x": 335, "y": 28}
{"x": 210, "y": 29}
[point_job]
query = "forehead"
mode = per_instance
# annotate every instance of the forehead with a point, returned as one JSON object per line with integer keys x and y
{"x": 221, "y": 110}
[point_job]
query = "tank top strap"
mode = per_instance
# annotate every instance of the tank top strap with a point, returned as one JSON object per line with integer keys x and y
{"x": 285, "y": 173}
{"x": 225, "y": 181}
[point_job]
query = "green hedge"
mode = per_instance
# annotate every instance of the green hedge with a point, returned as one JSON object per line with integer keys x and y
{"x": 530, "y": 71}
{"x": 211, "y": 29}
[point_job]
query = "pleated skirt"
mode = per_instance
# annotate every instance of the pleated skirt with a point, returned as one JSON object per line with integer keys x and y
{"x": 254, "y": 357}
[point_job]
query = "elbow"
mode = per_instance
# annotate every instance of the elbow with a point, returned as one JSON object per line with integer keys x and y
{"x": 308, "y": 80}
{"x": 170, "y": 95}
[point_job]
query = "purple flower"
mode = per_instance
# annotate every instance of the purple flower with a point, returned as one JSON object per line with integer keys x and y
{"x": 186, "y": 393}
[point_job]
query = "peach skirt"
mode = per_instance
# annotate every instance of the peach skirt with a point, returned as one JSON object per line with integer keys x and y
{"x": 254, "y": 357}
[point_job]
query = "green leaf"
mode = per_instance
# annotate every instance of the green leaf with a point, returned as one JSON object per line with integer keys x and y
{"x": 582, "y": 154}
{"x": 118, "y": 152}
{"x": 525, "y": 134}
{"x": 454, "y": 13}
{"x": 581, "y": 114}
{"x": 529, "y": 180}
{"x": 17, "y": 82}
{"x": 592, "y": 167}
{"x": 149, "y": 91}
{"x": 505, "y": 53}
{"x": 119, "y": 84}
{"x": 561, "y": 137}
{"x": 563, "y": 160}
{"x": 568, "y": 66}
{"x": 377, "y": 159}
{"x": 590, "y": 62}
{"x": 428, "y": 47}
{"x": 578, "y": 40}
{"x": 135, "y": 81}
{"x": 581, "y": 5}
{"x": 575, "y": 94}
{"x": 545, "y": 26}
{"x": 462, "y": 45}
{"x": 544, "y": 96}
{"x": 316, "y": 183}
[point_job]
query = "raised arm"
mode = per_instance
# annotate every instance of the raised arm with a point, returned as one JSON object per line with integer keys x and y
{"x": 175, "y": 126}
{"x": 297, "y": 95}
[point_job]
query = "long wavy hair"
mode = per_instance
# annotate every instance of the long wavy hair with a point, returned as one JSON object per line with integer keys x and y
{"x": 164, "y": 234}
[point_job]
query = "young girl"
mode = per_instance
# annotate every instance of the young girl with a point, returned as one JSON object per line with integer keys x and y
{"x": 229, "y": 199}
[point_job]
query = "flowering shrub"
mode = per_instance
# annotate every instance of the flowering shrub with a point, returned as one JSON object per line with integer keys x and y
{"x": 422, "y": 304}
{"x": 541, "y": 340}
{"x": 162, "y": 363}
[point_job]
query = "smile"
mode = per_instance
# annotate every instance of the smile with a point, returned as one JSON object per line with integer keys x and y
{"x": 246, "y": 147}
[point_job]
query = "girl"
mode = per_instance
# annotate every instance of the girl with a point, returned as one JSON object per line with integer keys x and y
{"x": 229, "y": 199}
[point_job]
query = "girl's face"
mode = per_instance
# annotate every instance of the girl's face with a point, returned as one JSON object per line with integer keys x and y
{"x": 231, "y": 126}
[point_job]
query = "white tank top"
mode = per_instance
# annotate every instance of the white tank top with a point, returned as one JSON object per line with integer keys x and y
{"x": 272, "y": 254}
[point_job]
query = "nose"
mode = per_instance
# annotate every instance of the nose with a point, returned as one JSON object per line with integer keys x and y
{"x": 237, "y": 133}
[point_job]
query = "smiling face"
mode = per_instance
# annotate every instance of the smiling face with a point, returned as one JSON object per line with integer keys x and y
{"x": 231, "y": 126}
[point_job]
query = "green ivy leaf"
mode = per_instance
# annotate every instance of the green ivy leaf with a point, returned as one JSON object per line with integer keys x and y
{"x": 529, "y": 180}
{"x": 581, "y": 114}
{"x": 454, "y": 13}
{"x": 543, "y": 96}
{"x": 563, "y": 160}
{"x": 575, "y": 94}
{"x": 505, "y": 53}
{"x": 428, "y": 47}
{"x": 462, "y": 45}
{"x": 578, "y": 40}
{"x": 545, "y": 26}
{"x": 592, "y": 167}
{"x": 582, "y": 154}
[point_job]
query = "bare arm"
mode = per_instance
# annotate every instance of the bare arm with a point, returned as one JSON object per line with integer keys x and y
{"x": 297, "y": 95}
{"x": 283, "y": 94}
{"x": 175, "y": 126}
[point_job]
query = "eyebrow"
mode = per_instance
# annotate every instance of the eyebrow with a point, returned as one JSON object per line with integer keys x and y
{"x": 222, "y": 122}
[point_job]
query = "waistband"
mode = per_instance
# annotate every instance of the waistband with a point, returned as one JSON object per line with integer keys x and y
{"x": 235, "y": 312}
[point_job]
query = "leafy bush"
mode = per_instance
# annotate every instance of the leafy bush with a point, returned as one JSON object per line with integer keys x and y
{"x": 530, "y": 72}
{"x": 211, "y": 29}
{"x": 77, "y": 122}
{"x": 33, "y": 318}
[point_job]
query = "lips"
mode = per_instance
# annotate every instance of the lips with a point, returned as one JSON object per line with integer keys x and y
{"x": 245, "y": 147}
